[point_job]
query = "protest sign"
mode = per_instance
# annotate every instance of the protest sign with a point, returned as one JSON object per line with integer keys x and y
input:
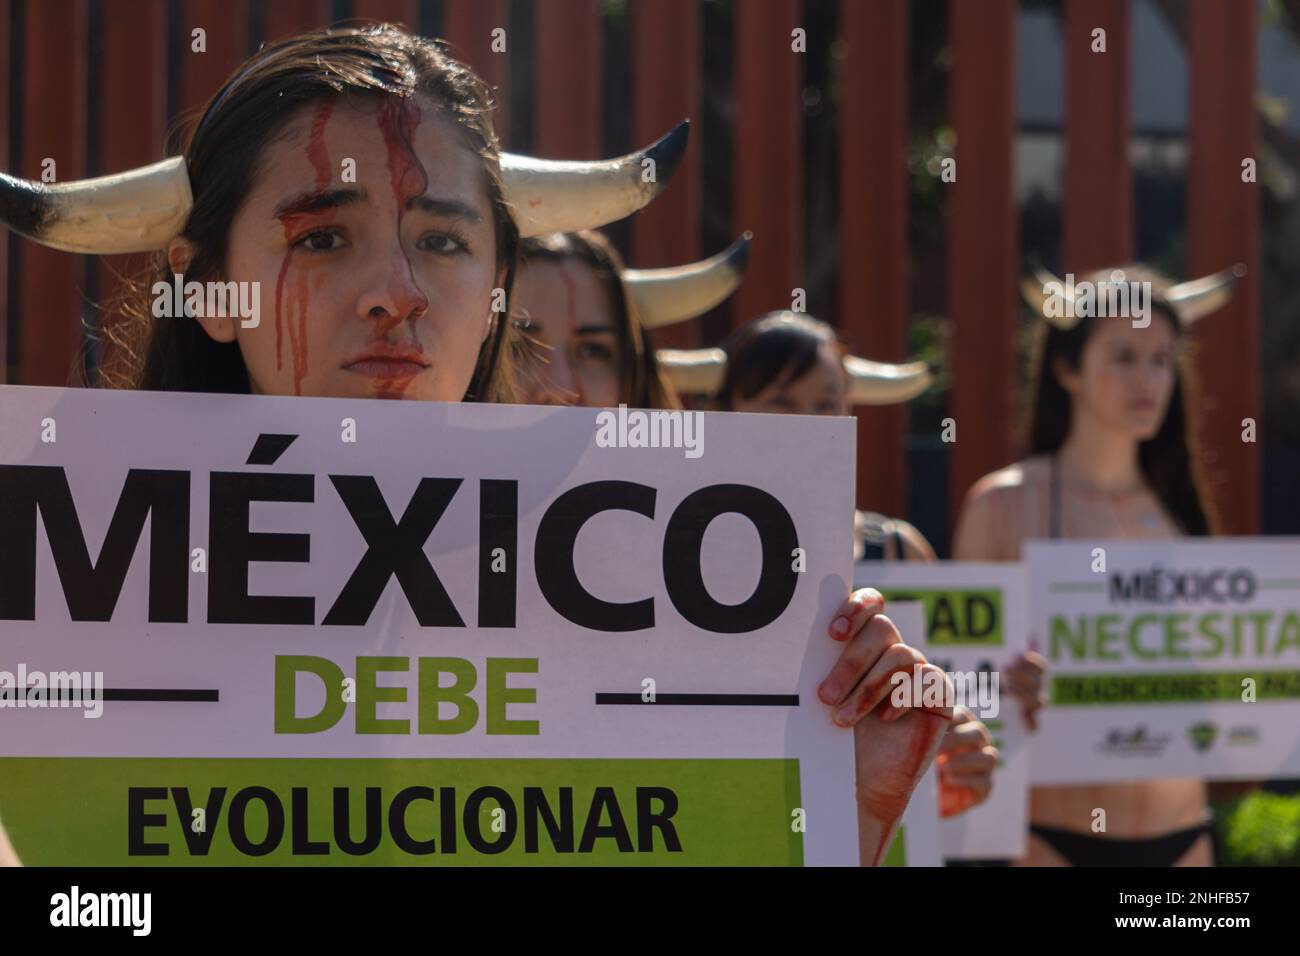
{"x": 975, "y": 623}
{"x": 1167, "y": 659}
{"x": 330, "y": 631}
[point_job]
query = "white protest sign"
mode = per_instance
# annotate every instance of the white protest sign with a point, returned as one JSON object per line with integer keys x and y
{"x": 976, "y": 622}
{"x": 468, "y": 634}
{"x": 1167, "y": 659}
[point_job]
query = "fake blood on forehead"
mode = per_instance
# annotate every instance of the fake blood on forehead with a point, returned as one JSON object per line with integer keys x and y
{"x": 318, "y": 156}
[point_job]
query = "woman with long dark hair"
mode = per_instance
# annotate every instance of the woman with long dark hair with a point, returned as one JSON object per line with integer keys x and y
{"x": 1111, "y": 456}
{"x": 393, "y": 283}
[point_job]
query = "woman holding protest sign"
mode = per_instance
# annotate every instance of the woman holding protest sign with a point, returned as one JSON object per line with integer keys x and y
{"x": 391, "y": 257}
{"x": 1110, "y": 457}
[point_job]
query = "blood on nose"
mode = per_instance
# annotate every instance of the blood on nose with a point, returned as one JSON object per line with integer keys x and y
{"x": 403, "y": 299}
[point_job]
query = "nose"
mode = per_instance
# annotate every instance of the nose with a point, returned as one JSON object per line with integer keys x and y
{"x": 392, "y": 296}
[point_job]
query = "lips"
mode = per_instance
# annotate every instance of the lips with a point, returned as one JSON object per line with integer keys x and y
{"x": 389, "y": 362}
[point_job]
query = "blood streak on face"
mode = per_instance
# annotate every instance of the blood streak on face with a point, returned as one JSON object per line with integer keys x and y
{"x": 398, "y": 120}
{"x": 318, "y": 155}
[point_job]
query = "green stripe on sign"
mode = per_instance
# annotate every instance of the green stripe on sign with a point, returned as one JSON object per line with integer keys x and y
{"x": 77, "y": 811}
{"x": 957, "y": 617}
{"x": 1180, "y": 687}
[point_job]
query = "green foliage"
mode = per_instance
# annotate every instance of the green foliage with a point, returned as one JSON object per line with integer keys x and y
{"x": 1259, "y": 829}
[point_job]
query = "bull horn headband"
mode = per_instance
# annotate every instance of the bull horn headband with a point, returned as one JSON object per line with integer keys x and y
{"x": 665, "y": 296}
{"x": 143, "y": 209}
{"x": 702, "y": 371}
{"x": 1190, "y": 300}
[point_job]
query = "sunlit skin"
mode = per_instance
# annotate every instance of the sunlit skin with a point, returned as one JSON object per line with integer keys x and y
{"x": 1120, "y": 394}
{"x": 571, "y": 313}
{"x": 378, "y": 288}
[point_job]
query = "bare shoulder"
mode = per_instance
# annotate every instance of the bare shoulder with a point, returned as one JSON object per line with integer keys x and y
{"x": 989, "y": 526}
{"x": 1006, "y": 486}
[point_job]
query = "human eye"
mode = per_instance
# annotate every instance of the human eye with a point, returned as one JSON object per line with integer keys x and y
{"x": 448, "y": 243}
{"x": 593, "y": 351}
{"x": 321, "y": 240}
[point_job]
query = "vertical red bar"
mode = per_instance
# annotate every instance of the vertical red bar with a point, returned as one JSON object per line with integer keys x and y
{"x": 133, "y": 108}
{"x": 54, "y": 127}
{"x": 1098, "y": 179}
{"x": 468, "y": 25}
{"x": 284, "y": 18}
{"x": 568, "y": 79}
{"x": 6, "y": 51}
{"x": 1222, "y": 214}
{"x": 766, "y": 148}
{"x": 401, "y": 12}
{"x": 982, "y": 241}
{"x": 666, "y": 81}
{"x": 225, "y": 38}
{"x": 873, "y": 227}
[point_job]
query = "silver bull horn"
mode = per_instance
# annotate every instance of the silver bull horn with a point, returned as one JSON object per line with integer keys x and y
{"x": 550, "y": 195}
{"x": 143, "y": 209}
{"x": 702, "y": 371}
{"x": 665, "y": 296}
{"x": 1191, "y": 300}
{"x": 135, "y": 211}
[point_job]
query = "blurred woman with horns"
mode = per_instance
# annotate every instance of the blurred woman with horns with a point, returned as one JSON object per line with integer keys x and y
{"x": 1111, "y": 456}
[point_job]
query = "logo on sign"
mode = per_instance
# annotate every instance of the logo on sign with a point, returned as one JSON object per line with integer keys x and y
{"x": 1203, "y": 734}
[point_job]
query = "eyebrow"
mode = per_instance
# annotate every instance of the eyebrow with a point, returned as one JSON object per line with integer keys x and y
{"x": 447, "y": 208}
{"x": 593, "y": 330}
{"x": 316, "y": 201}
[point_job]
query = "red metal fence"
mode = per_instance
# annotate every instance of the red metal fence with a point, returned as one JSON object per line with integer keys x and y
{"x": 44, "y": 292}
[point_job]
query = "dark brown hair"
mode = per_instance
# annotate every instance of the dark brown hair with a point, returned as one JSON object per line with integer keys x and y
{"x": 1167, "y": 459}
{"x": 779, "y": 347}
{"x": 223, "y": 152}
{"x": 642, "y": 383}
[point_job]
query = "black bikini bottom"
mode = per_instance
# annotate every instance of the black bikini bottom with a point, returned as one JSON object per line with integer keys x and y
{"x": 1081, "y": 849}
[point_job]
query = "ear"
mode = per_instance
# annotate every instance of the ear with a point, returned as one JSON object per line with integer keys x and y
{"x": 1067, "y": 377}
{"x": 180, "y": 253}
